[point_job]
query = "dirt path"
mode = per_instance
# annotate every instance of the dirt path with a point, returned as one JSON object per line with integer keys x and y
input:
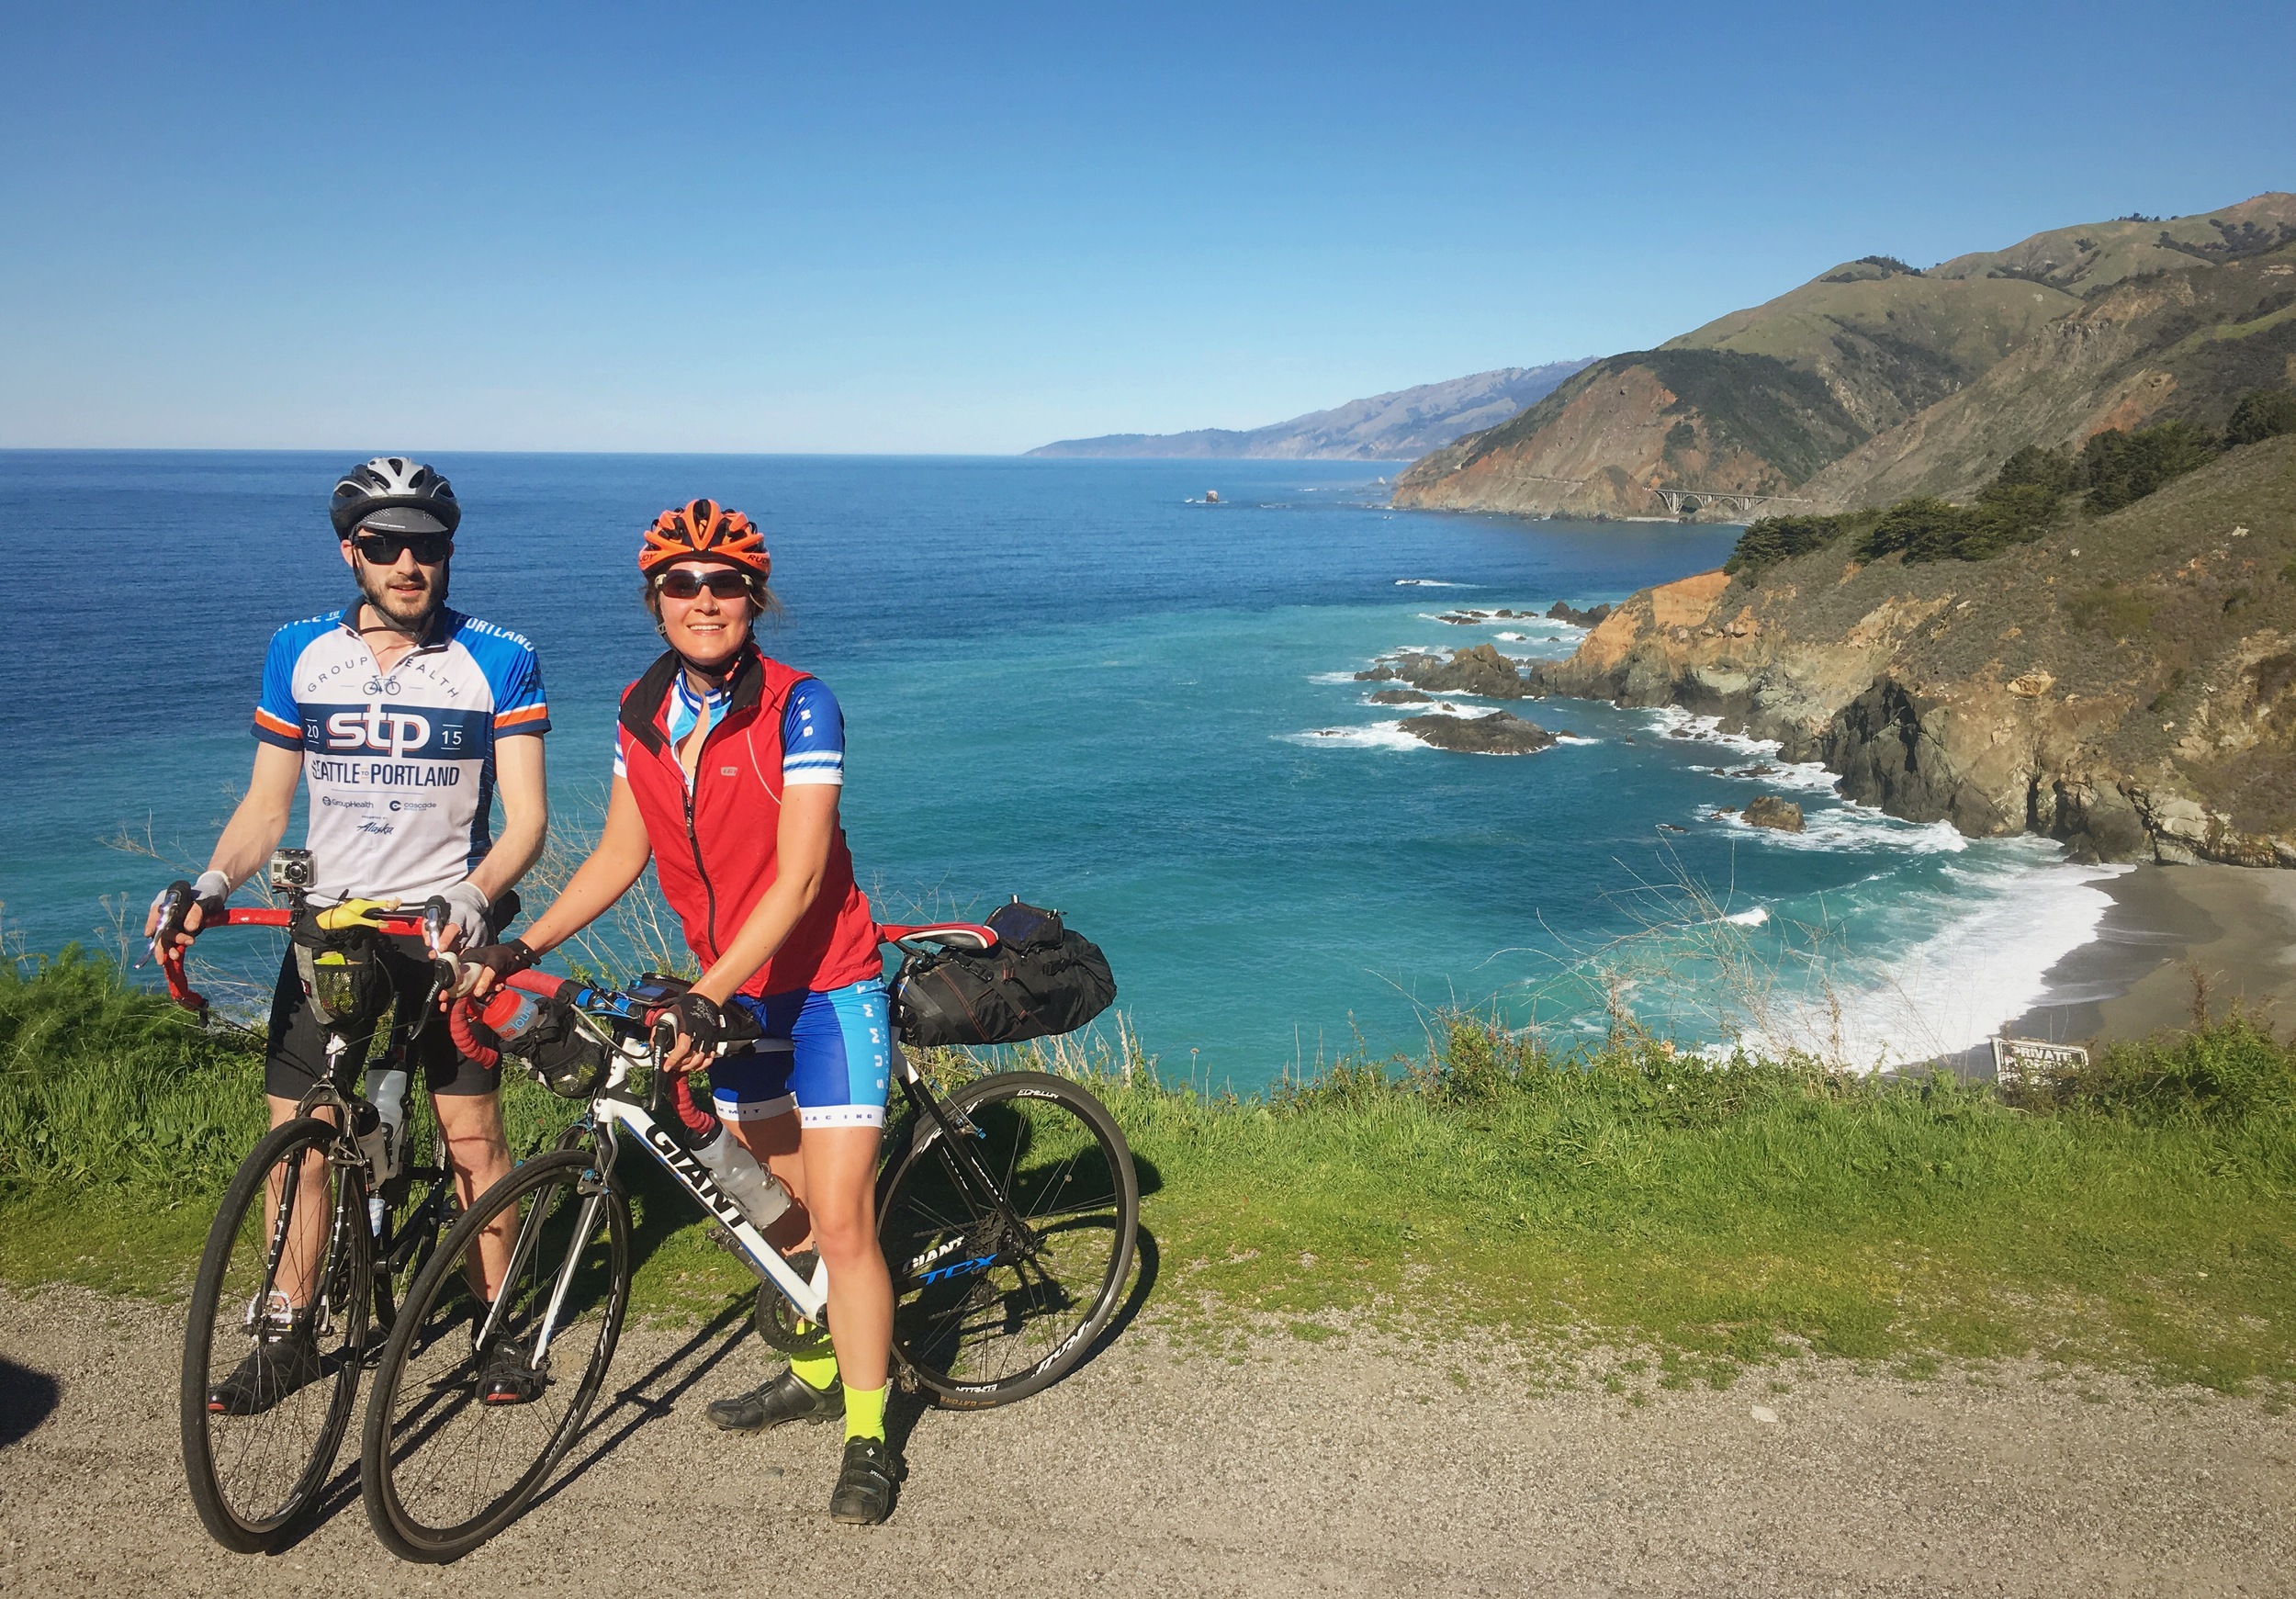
{"x": 1305, "y": 1469}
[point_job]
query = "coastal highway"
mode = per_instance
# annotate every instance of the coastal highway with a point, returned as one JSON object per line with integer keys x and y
{"x": 1349, "y": 1466}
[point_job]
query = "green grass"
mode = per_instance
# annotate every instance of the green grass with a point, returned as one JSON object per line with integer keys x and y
{"x": 1722, "y": 1217}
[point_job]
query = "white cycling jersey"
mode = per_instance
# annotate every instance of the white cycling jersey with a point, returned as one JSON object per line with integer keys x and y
{"x": 400, "y": 767}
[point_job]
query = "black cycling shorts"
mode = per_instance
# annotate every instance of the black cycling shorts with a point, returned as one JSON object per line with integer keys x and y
{"x": 296, "y": 1054}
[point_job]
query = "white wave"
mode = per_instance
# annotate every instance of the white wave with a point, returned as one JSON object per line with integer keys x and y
{"x": 2005, "y": 923}
{"x": 1748, "y": 919}
{"x": 1848, "y": 828}
{"x": 1432, "y": 583}
{"x": 1366, "y": 736}
{"x": 1390, "y": 735}
{"x": 1333, "y": 677}
{"x": 1679, "y": 726}
{"x": 1514, "y": 638}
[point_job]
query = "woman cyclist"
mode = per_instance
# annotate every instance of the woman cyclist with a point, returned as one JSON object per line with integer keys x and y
{"x": 727, "y": 770}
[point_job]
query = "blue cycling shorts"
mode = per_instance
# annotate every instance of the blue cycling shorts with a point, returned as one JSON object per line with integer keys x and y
{"x": 826, "y": 1056}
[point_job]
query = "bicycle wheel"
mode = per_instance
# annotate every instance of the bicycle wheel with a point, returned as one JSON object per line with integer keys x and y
{"x": 444, "y": 1468}
{"x": 272, "y": 1343}
{"x": 1009, "y": 1254}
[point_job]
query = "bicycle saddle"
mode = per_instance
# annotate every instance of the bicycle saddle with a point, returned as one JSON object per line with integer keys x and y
{"x": 963, "y": 935}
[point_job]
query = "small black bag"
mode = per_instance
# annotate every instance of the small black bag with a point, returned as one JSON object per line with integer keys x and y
{"x": 1040, "y": 979}
{"x": 342, "y": 973}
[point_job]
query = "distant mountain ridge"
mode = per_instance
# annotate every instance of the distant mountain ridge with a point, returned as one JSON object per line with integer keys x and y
{"x": 1874, "y": 381}
{"x": 1399, "y": 426}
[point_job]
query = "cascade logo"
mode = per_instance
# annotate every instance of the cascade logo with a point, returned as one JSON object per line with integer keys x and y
{"x": 393, "y": 732}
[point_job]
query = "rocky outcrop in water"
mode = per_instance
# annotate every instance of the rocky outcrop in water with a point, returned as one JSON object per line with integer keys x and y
{"x": 1481, "y": 670}
{"x": 2126, "y": 684}
{"x": 1499, "y": 733}
{"x": 1769, "y": 811}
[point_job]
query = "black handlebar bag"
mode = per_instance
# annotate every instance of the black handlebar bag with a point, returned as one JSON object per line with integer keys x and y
{"x": 1040, "y": 979}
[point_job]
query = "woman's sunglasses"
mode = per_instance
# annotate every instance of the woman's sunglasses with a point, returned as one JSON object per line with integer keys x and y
{"x": 384, "y": 548}
{"x": 685, "y": 585}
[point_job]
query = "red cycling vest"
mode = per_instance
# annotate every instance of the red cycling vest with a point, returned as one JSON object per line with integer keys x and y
{"x": 714, "y": 850}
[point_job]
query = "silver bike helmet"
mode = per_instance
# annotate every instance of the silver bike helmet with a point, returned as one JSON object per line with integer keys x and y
{"x": 392, "y": 494}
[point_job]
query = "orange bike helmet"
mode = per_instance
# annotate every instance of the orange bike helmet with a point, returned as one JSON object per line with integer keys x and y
{"x": 705, "y": 528}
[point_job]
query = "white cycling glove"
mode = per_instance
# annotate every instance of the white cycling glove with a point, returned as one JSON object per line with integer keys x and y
{"x": 467, "y": 909}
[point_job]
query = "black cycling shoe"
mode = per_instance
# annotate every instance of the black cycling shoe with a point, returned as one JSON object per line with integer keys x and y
{"x": 864, "y": 1494}
{"x": 505, "y": 1374}
{"x": 786, "y": 1398}
{"x": 274, "y": 1369}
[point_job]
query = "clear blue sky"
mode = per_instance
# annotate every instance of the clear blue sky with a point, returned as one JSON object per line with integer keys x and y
{"x": 972, "y": 228}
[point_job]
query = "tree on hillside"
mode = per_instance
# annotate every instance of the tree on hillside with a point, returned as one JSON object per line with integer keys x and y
{"x": 2119, "y": 468}
{"x": 2262, "y": 413}
{"x": 1772, "y": 539}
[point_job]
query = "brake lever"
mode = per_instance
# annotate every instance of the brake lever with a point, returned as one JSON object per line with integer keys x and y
{"x": 435, "y": 912}
{"x": 175, "y": 902}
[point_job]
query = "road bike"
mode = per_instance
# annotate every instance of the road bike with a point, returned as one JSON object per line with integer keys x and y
{"x": 306, "y": 1264}
{"x": 1007, "y": 1209}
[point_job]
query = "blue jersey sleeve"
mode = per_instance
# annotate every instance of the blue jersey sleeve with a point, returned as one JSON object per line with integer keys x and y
{"x": 278, "y": 719}
{"x": 513, "y": 674}
{"x": 812, "y": 736}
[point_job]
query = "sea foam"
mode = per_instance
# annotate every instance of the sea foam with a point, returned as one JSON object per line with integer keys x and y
{"x": 2000, "y": 925}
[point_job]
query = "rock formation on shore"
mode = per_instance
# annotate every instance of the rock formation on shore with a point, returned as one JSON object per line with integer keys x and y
{"x": 1498, "y": 733}
{"x": 2126, "y": 683}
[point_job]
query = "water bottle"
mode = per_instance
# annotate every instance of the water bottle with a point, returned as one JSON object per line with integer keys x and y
{"x": 381, "y": 1127}
{"x": 759, "y": 1192}
{"x": 510, "y": 1012}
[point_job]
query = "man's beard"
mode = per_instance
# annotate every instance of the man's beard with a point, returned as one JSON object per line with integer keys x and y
{"x": 374, "y": 583}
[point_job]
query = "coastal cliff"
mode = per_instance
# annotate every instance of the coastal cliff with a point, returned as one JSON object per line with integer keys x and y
{"x": 2126, "y": 683}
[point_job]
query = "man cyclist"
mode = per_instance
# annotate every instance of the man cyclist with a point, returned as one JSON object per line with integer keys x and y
{"x": 405, "y": 720}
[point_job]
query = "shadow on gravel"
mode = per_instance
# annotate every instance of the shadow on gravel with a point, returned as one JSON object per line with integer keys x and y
{"x": 633, "y": 1407}
{"x": 26, "y": 1399}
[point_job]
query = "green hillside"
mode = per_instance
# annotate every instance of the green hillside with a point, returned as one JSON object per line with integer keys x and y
{"x": 1875, "y": 380}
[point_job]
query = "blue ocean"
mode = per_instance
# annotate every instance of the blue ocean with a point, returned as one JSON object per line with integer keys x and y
{"x": 1080, "y": 682}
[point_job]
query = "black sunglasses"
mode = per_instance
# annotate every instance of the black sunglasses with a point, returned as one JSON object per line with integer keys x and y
{"x": 685, "y": 585}
{"x": 384, "y": 548}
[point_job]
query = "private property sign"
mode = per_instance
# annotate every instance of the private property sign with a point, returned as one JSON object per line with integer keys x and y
{"x": 2029, "y": 1062}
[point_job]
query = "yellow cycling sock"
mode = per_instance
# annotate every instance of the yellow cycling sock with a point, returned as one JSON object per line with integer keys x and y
{"x": 865, "y": 1413}
{"x": 816, "y": 1373}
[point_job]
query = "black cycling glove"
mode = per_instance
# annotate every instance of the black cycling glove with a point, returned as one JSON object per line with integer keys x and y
{"x": 504, "y": 960}
{"x": 700, "y": 1020}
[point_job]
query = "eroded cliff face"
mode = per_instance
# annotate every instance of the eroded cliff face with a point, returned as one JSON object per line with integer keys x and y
{"x": 2129, "y": 686}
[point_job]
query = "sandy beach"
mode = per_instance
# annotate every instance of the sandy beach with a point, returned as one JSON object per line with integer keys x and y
{"x": 2234, "y": 925}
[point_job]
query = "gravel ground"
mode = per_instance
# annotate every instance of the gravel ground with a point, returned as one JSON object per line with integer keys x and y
{"x": 1302, "y": 1467}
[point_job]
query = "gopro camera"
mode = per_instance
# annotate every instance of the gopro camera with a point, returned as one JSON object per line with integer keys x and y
{"x": 292, "y": 871}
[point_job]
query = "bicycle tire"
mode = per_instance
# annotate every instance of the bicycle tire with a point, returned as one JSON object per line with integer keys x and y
{"x": 979, "y": 1318}
{"x": 426, "y": 1436}
{"x": 254, "y": 1478}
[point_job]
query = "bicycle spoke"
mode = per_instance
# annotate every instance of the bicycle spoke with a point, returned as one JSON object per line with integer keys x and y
{"x": 278, "y": 1318}
{"x": 1007, "y": 1252}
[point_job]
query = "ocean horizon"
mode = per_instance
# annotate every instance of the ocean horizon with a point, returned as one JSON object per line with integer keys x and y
{"x": 1077, "y": 681}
